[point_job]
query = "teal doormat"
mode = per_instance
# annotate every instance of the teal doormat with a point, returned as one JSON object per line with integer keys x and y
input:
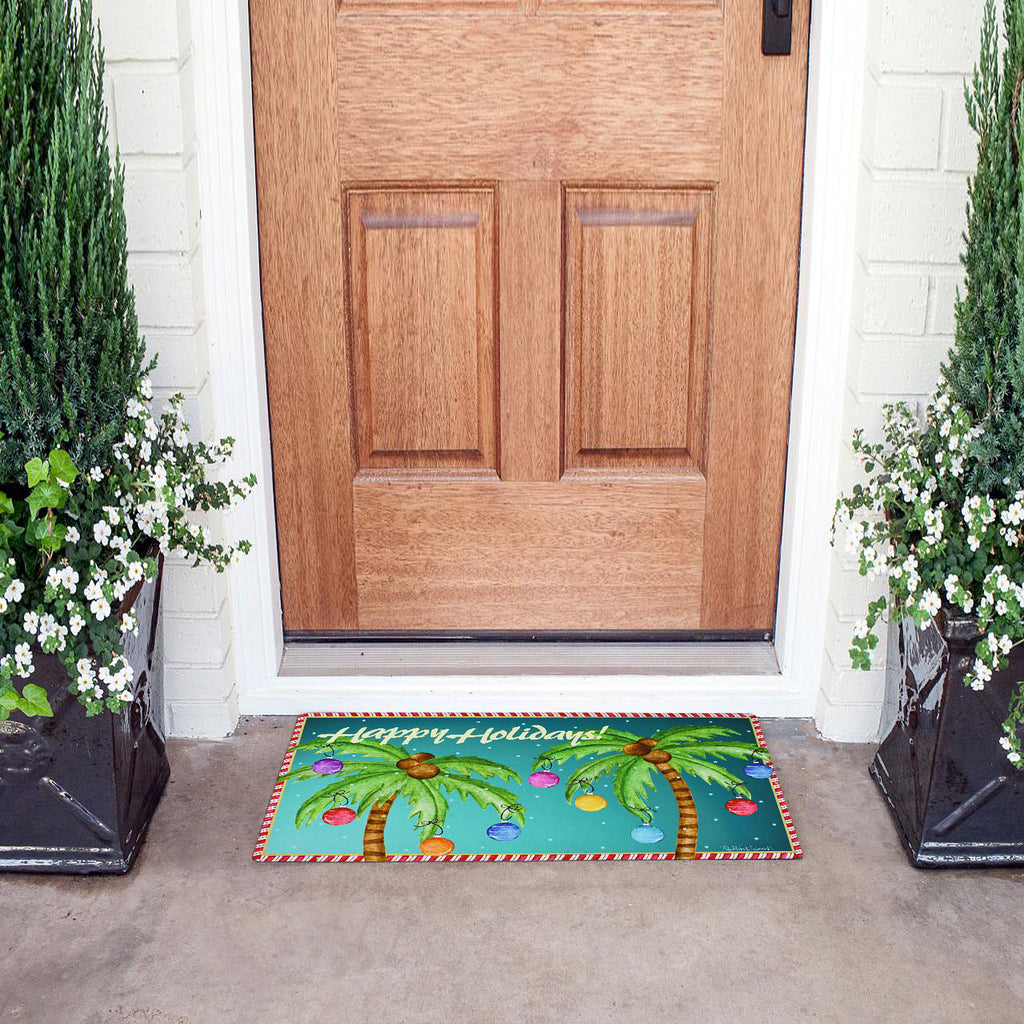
{"x": 476, "y": 787}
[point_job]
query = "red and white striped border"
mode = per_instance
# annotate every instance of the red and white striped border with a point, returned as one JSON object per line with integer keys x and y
{"x": 341, "y": 858}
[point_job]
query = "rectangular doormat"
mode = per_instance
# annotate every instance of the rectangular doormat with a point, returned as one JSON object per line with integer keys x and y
{"x": 465, "y": 787}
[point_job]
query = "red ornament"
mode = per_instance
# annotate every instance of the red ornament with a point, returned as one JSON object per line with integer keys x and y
{"x": 740, "y": 806}
{"x": 339, "y": 816}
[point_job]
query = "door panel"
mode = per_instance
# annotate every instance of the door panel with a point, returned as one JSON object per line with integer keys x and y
{"x": 572, "y": 555}
{"x": 468, "y": 93}
{"x": 422, "y": 303}
{"x": 638, "y": 272}
{"x": 529, "y": 283}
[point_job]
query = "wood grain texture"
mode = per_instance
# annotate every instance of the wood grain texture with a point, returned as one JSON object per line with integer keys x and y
{"x": 570, "y": 555}
{"x": 550, "y": 98}
{"x": 422, "y": 307}
{"x": 530, "y": 330}
{"x": 758, "y": 215}
{"x": 637, "y": 273}
{"x": 301, "y": 231}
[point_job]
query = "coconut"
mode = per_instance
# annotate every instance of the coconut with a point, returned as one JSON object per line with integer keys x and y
{"x": 423, "y": 771}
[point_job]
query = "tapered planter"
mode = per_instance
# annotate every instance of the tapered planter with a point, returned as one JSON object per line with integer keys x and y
{"x": 77, "y": 793}
{"x": 955, "y": 799}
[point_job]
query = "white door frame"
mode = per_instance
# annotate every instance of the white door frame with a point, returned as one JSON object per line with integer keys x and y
{"x": 220, "y": 32}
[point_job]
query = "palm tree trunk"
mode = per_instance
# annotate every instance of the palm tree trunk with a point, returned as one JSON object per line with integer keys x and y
{"x": 373, "y": 837}
{"x": 686, "y": 837}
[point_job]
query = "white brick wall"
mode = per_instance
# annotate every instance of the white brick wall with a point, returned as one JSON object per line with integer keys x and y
{"x": 917, "y": 150}
{"x": 152, "y": 119}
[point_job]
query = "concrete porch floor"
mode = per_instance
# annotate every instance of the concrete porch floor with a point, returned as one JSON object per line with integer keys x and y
{"x": 199, "y": 934}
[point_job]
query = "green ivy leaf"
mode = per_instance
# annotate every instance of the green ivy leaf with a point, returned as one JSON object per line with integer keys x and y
{"x": 6, "y": 505}
{"x": 45, "y": 495}
{"x": 35, "y": 702}
{"x": 37, "y": 471}
{"x": 61, "y": 466}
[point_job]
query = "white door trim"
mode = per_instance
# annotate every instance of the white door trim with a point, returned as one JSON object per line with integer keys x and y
{"x": 220, "y": 32}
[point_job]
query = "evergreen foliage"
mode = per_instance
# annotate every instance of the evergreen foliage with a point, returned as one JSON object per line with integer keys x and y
{"x": 985, "y": 371}
{"x": 70, "y": 351}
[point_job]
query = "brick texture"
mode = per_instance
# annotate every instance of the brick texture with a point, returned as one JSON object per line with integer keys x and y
{"x": 917, "y": 151}
{"x": 150, "y": 92}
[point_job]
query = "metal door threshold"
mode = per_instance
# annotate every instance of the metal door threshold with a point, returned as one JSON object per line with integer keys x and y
{"x": 503, "y": 658}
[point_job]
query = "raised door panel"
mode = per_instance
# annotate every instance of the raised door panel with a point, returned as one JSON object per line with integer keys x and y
{"x": 638, "y": 272}
{"x": 422, "y": 308}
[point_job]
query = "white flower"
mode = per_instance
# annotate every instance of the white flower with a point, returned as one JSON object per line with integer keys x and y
{"x": 76, "y": 624}
{"x": 129, "y": 623}
{"x": 14, "y": 591}
{"x": 93, "y": 590}
{"x": 1004, "y": 742}
{"x": 146, "y": 388}
{"x": 860, "y": 630}
{"x": 30, "y": 623}
{"x": 135, "y": 408}
{"x": 130, "y": 439}
{"x": 84, "y": 666}
{"x": 71, "y": 535}
{"x": 101, "y": 531}
{"x": 100, "y": 608}
{"x": 96, "y": 473}
{"x": 1013, "y": 757}
{"x": 150, "y": 430}
{"x": 160, "y": 475}
{"x": 69, "y": 578}
{"x": 3, "y": 605}
{"x": 930, "y": 602}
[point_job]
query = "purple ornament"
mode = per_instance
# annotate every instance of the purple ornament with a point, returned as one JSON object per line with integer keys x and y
{"x": 328, "y": 766}
{"x": 543, "y": 780}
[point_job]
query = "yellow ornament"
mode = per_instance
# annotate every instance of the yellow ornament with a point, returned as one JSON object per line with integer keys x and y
{"x": 591, "y": 802}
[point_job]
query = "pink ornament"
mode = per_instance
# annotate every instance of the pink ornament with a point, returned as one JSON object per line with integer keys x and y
{"x": 543, "y": 780}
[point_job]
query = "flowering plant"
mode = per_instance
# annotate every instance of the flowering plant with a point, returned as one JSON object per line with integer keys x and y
{"x": 941, "y": 518}
{"x": 919, "y": 524}
{"x": 73, "y": 544}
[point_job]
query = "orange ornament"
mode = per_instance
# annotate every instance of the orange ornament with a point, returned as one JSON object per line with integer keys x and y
{"x": 436, "y": 846}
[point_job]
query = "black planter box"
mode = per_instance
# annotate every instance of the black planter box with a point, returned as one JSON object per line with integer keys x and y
{"x": 77, "y": 793}
{"x": 955, "y": 798}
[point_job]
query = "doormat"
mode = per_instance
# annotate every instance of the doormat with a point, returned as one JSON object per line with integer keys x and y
{"x": 482, "y": 787}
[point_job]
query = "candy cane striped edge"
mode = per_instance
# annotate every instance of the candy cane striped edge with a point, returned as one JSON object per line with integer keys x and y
{"x": 336, "y": 858}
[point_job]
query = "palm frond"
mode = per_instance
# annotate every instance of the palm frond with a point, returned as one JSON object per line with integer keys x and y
{"x": 425, "y": 800}
{"x": 587, "y": 748}
{"x": 719, "y": 750}
{"x": 593, "y": 770}
{"x": 485, "y": 794}
{"x": 463, "y": 765}
{"x": 364, "y": 748}
{"x": 354, "y": 785}
{"x": 689, "y": 733}
{"x": 708, "y": 772}
{"x": 630, "y": 786}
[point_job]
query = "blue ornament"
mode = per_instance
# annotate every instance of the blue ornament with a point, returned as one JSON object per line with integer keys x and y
{"x": 503, "y": 831}
{"x": 759, "y": 771}
{"x": 647, "y": 834}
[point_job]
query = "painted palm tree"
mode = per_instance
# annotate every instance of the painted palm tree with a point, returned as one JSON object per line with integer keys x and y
{"x": 631, "y": 761}
{"x": 371, "y": 776}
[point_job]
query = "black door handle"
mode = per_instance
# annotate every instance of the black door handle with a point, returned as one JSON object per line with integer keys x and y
{"x": 777, "y": 33}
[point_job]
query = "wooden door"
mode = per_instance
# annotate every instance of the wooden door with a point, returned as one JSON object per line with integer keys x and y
{"x": 529, "y": 283}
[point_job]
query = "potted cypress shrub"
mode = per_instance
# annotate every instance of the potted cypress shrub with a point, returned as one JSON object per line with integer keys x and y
{"x": 941, "y": 521}
{"x": 95, "y": 487}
